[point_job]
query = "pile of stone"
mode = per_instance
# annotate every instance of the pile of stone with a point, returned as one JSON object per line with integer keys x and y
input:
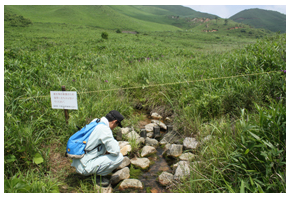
{"x": 174, "y": 146}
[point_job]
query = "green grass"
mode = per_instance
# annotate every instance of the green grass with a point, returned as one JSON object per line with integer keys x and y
{"x": 242, "y": 158}
{"x": 42, "y": 57}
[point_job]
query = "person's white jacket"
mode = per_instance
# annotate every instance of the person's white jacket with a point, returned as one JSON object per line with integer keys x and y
{"x": 95, "y": 161}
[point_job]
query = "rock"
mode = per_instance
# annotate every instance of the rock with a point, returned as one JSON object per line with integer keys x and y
{"x": 125, "y": 162}
{"x": 174, "y": 150}
{"x": 181, "y": 169}
{"x": 156, "y": 115}
{"x": 146, "y": 150}
{"x": 187, "y": 156}
{"x": 125, "y": 130}
{"x": 166, "y": 148}
{"x": 143, "y": 163}
{"x": 170, "y": 137}
{"x": 122, "y": 144}
{"x": 190, "y": 143}
{"x": 120, "y": 175}
{"x": 126, "y": 149}
{"x": 103, "y": 189}
{"x": 140, "y": 140}
{"x": 131, "y": 184}
{"x": 150, "y": 127}
{"x": 151, "y": 142}
{"x": 150, "y": 134}
{"x": 166, "y": 178}
{"x": 160, "y": 124}
{"x": 132, "y": 135}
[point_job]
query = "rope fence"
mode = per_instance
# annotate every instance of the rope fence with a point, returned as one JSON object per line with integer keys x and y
{"x": 155, "y": 85}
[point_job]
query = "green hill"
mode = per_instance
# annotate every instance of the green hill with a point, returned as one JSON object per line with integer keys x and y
{"x": 126, "y": 17}
{"x": 258, "y": 18}
{"x": 144, "y": 18}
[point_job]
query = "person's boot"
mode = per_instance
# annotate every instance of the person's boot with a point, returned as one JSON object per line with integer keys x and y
{"x": 102, "y": 181}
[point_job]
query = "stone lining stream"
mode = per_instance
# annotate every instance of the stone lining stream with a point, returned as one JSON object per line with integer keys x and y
{"x": 161, "y": 161}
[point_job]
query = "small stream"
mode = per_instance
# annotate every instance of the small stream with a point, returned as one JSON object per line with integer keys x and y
{"x": 160, "y": 164}
{"x": 150, "y": 178}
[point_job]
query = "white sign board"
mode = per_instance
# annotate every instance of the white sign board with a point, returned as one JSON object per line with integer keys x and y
{"x": 64, "y": 100}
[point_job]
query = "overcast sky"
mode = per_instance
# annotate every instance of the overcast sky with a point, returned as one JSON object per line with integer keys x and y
{"x": 226, "y": 11}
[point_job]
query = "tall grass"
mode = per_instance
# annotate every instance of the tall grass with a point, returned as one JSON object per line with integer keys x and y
{"x": 248, "y": 155}
{"x": 43, "y": 57}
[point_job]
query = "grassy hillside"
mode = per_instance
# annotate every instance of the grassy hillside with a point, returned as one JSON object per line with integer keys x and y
{"x": 140, "y": 18}
{"x": 258, "y": 18}
{"x": 42, "y": 57}
{"x": 96, "y": 16}
{"x": 146, "y": 18}
{"x": 227, "y": 84}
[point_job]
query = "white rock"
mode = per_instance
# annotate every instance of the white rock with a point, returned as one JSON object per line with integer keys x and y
{"x": 120, "y": 175}
{"x": 151, "y": 142}
{"x": 131, "y": 184}
{"x": 125, "y": 162}
{"x": 174, "y": 150}
{"x": 140, "y": 140}
{"x": 125, "y": 130}
{"x": 132, "y": 135}
{"x": 182, "y": 169}
{"x": 141, "y": 162}
{"x": 187, "y": 156}
{"x": 122, "y": 144}
{"x": 150, "y": 134}
{"x": 160, "y": 124}
{"x": 168, "y": 119}
{"x": 190, "y": 143}
{"x": 126, "y": 149}
{"x": 146, "y": 150}
{"x": 166, "y": 178}
{"x": 156, "y": 115}
{"x": 150, "y": 127}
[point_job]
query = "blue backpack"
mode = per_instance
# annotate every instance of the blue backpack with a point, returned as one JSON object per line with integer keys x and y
{"x": 77, "y": 143}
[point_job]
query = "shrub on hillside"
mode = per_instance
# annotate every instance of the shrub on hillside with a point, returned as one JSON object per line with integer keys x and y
{"x": 104, "y": 35}
{"x": 16, "y": 20}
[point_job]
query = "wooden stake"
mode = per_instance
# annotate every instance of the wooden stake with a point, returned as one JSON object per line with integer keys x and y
{"x": 65, "y": 110}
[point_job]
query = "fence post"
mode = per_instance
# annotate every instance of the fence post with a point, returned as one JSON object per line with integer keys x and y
{"x": 65, "y": 110}
{"x": 156, "y": 131}
{"x": 169, "y": 128}
{"x": 143, "y": 133}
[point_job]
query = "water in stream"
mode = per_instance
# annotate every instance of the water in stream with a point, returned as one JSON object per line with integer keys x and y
{"x": 150, "y": 178}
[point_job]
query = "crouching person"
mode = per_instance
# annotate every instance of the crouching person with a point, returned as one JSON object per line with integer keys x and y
{"x": 102, "y": 150}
